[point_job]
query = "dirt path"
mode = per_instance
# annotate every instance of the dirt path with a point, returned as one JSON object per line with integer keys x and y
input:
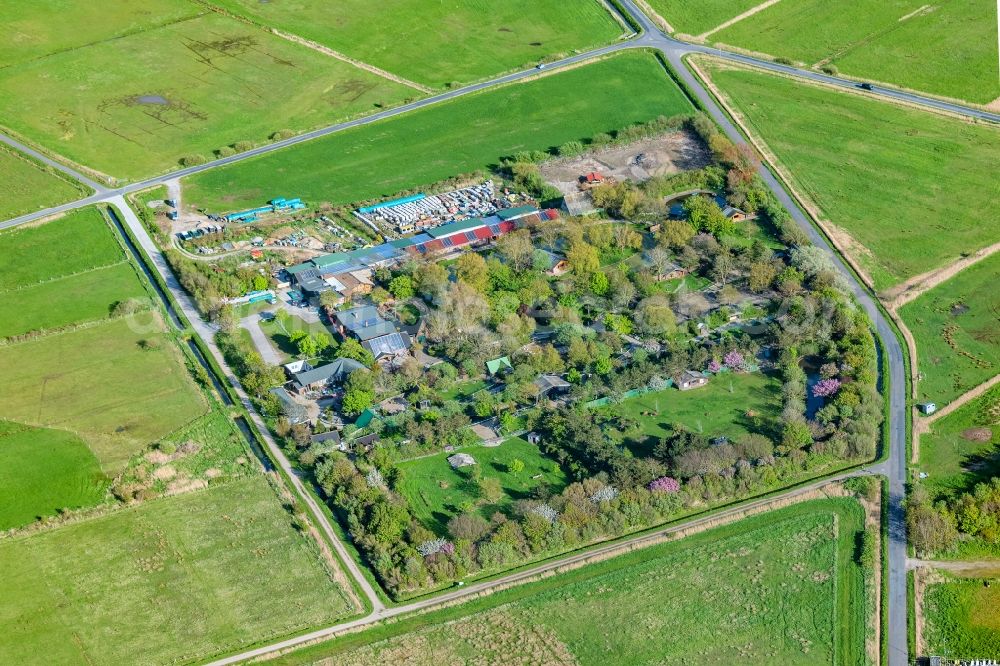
{"x": 976, "y": 568}
{"x": 921, "y": 426}
{"x": 736, "y": 19}
{"x": 351, "y": 61}
{"x": 905, "y": 292}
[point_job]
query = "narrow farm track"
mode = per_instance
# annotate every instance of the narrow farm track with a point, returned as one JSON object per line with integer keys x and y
{"x": 674, "y": 51}
{"x": 905, "y": 292}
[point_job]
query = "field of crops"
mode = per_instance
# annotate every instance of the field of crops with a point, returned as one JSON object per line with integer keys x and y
{"x": 780, "y": 588}
{"x": 961, "y": 618}
{"x": 29, "y": 186}
{"x": 169, "y": 581}
{"x": 435, "y": 492}
{"x": 909, "y": 187}
{"x": 439, "y": 43}
{"x": 43, "y": 471}
{"x": 961, "y": 449}
{"x": 949, "y": 48}
{"x": 142, "y": 102}
{"x": 456, "y": 137}
{"x": 957, "y": 328}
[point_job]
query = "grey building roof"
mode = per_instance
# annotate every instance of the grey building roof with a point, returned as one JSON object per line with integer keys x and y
{"x": 295, "y": 412}
{"x": 388, "y": 345}
{"x": 364, "y": 322}
{"x": 337, "y": 371}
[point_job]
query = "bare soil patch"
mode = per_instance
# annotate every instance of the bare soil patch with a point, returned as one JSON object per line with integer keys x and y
{"x": 637, "y": 162}
{"x": 977, "y": 434}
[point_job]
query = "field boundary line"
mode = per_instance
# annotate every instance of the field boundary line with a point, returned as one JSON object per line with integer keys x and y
{"x": 371, "y": 69}
{"x": 921, "y": 426}
{"x": 916, "y": 286}
{"x": 67, "y": 276}
{"x": 736, "y": 19}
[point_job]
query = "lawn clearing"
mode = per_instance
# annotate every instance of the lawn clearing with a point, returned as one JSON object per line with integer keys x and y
{"x": 174, "y": 580}
{"x": 29, "y": 186}
{"x": 142, "y": 102}
{"x": 912, "y": 189}
{"x": 459, "y": 136}
{"x": 84, "y": 297}
{"x": 280, "y": 334}
{"x": 718, "y": 409}
{"x": 693, "y": 17}
{"x": 120, "y": 384}
{"x": 43, "y": 471}
{"x": 948, "y": 48}
{"x": 78, "y": 241}
{"x": 435, "y": 492}
{"x": 779, "y": 588}
{"x": 961, "y": 619}
{"x": 440, "y": 43}
{"x": 957, "y": 328}
{"x": 961, "y": 448}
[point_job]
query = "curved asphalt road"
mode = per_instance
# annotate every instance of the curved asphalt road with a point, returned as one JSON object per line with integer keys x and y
{"x": 674, "y": 51}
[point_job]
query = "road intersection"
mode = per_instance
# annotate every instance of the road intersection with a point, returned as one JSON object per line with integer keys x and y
{"x": 673, "y": 51}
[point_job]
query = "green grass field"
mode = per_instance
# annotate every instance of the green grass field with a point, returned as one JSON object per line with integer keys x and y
{"x": 43, "y": 471}
{"x": 910, "y": 188}
{"x": 460, "y": 136}
{"x": 957, "y": 328}
{"x": 100, "y": 382}
{"x": 439, "y": 43}
{"x": 435, "y": 492}
{"x": 961, "y": 449}
{"x": 280, "y": 332}
{"x": 716, "y": 409}
{"x": 780, "y": 588}
{"x": 961, "y": 619}
{"x": 84, "y": 297}
{"x": 78, "y": 241}
{"x": 37, "y": 29}
{"x": 170, "y": 581}
{"x": 142, "y": 102}
{"x": 29, "y": 186}
{"x": 693, "y": 17}
{"x": 950, "y": 49}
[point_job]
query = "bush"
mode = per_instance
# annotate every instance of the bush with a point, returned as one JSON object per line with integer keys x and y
{"x": 225, "y": 151}
{"x": 282, "y": 134}
{"x": 192, "y": 160}
{"x": 243, "y": 146}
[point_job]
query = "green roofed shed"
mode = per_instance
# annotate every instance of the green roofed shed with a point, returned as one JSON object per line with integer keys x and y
{"x": 365, "y": 419}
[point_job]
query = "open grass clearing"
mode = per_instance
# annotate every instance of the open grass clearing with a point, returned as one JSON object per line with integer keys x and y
{"x": 961, "y": 619}
{"x": 142, "y": 102}
{"x": 281, "y": 330}
{"x": 29, "y": 186}
{"x": 78, "y": 241}
{"x": 222, "y": 568}
{"x": 435, "y": 492}
{"x": 778, "y": 588}
{"x": 460, "y": 136}
{"x": 43, "y": 471}
{"x": 947, "y": 47}
{"x": 81, "y": 298}
{"x": 911, "y": 189}
{"x": 440, "y": 43}
{"x": 961, "y": 449}
{"x": 120, "y": 384}
{"x": 957, "y": 328}
{"x": 693, "y": 17}
{"x": 37, "y": 29}
{"x": 718, "y": 409}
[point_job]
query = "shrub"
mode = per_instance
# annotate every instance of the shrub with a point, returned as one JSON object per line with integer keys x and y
{"x": 243, "y": 146}
{"x": 192, "y": 160}
{"x": 225, "y": 151}
{"x": 282, "y": 134}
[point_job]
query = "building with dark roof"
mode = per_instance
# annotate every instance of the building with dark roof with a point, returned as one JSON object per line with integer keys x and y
{"x": 318, "y": 378}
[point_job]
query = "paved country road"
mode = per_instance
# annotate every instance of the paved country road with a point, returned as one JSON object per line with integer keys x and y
{"x": 674, "y": 50}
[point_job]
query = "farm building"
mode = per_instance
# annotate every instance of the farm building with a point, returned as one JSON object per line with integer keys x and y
{"x": 461, "y": 460}
{"x": 331, "y": 439}
{"x": 690, "y": 379}
{"x": 549, "y": 385}
{"x": 293, "y": 411}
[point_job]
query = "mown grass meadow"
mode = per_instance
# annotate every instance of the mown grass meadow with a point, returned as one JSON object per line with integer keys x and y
{"x": 174, "y": 580}
{"x": 957, "y": 328}
{"x": 460, "y": 136}
{"x": 780, "y": 588}
{"x": 435, "y": 492}
{"x": 693, "y": 17}
{"x": 912, "y": 189}
{"x": 961, "y": 619}
{"x": 44, "y": 471}
{"x": 29, "y": 186}
{"x": 436, "y": 44}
